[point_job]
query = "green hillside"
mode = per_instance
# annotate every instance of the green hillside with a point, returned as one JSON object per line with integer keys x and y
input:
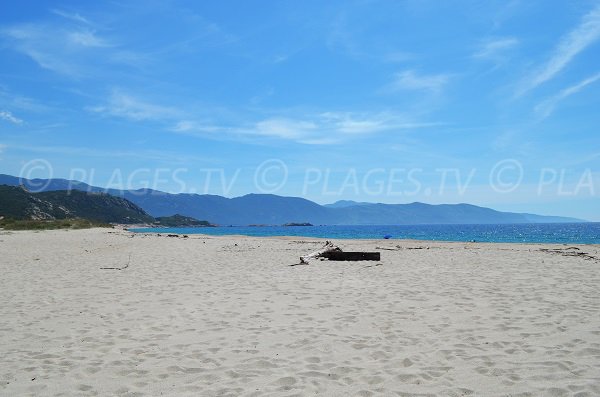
{"x": 181, "y": 221}
{"x": 18, "y": 204}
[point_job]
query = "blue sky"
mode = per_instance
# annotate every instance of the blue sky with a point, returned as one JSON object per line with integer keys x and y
{"x": 493, "y": 103}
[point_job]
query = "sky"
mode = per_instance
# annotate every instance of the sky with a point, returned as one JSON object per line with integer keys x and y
{"x": 493, "y": 103}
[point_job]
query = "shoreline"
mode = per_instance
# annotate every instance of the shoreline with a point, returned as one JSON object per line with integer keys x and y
{"x": 126, "y": 228}
{"x": 361, "y": 239}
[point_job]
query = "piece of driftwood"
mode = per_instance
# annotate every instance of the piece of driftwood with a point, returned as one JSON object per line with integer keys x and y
{"x": 334, "y": 253}
{"x": 329, "y": 247}
{"x": 351, "y": 256}
{"x": 377, "y": 264}
{"x": 118, "y": 268}
{"x": 571, "y": 251}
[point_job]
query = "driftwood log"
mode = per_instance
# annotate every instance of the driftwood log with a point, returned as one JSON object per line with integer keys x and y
{"x": 352, "y": 256}
{"x": 329, "y": 247}
{"x": 334, "y": 253}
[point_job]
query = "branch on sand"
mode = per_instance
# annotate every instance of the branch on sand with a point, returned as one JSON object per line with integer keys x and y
{"x": 329, "y": 247}
{"x": 571, "y": 251}
{"x": 335, "y": 253}
{"x": 118, "y": 268}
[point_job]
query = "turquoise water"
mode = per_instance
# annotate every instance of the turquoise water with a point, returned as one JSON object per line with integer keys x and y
{"x": 566, "y": 233}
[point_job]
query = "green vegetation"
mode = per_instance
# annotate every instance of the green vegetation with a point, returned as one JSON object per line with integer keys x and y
{"x": 74, "y": 209}
{"x": 14, "y": 202}
{"x": 97, "y": 206}
{"x": 30, "y": 224}
{"x": 181, "y": 221}
{"x": 19, "y": 204}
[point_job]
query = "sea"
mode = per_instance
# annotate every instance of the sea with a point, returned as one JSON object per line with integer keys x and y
{"x": 560, "y": 233}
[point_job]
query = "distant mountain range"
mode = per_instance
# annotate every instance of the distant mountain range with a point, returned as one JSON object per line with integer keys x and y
{"x": 345, "y": 203}
{"x": 277, "y": 210}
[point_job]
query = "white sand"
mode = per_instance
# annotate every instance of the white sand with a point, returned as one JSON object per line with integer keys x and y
{"x": 202, "y": 316}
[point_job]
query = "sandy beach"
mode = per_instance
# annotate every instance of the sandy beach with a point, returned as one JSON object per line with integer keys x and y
{"x": 229, "y": 316}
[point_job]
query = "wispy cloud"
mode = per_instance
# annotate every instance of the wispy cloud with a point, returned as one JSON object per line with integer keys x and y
{"x": 545, "y": 108}
{"x": 332, "y": 127}
{"x": 12, "y": 100}
{"x": 410, "y": 80}
{"x": 73, "y": 16}
{"x": 168, "y": 117}
{"x": 35, "y": 43}
{"x": 72, "y": 48}
{"x": 577, "y": 40}
{"x": 504, "y": 12}
{"x": 495, "y": 49}
{"x": 192, "y": 127}
{"x": 8, "y": 116}
{"x": 61, "y": 49}
{"x": 311, "y": 129}
{"x": 285, "y": 128}
{"x": 86, "y": 38}
{"x": 130, "y": 107}
{"x": 353, "y": 123}
{"x": 307, "y": 128}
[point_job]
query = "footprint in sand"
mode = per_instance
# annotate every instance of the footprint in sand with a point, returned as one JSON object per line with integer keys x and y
{"x": 286, "y": 381}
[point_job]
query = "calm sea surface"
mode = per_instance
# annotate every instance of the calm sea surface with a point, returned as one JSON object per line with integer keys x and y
{"x": 567, "y": 233}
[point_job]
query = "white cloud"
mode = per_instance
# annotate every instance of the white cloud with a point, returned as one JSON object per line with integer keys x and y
{"x": 495, "y": 48}
{"x": 130, "y": 107}
{"x": 325, "y": 128}
{"x": 331, "y": 127}
{"x": 312, "y": 129}
{"x": 185, "y": 126}
{"x": 368, "y": 123}
{"x": 8, "y": 116}
{"x": 72, "y": 16}
{"x": 296, "y": 130}
{"x": 36, "y": 44}
{"x": 86, "y": 39}
{"x": 577, "y": 40}
{"x": 285, "y": 128}
{"x": 545, "y": 108}
{"x": 194, "y": 127}
{"x": 171, "y": 118}
{"x": 68, "y": 50}
{"x": 409, "y": 80}
{"x": 9, "y": 99}
{"x": 316, "y": 128}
